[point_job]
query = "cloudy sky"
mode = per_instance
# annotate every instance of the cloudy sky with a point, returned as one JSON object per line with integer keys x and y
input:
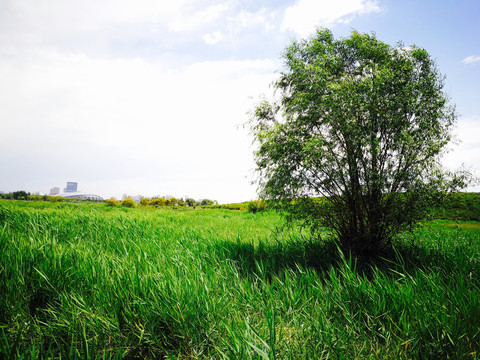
{"x": 148, "y": 96}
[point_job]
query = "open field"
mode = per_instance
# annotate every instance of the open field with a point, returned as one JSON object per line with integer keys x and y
{"x": 91, "y": 281}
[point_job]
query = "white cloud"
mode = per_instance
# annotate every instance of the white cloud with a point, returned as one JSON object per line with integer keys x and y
{"x": 241, "y": 23}
{"x": 213, "y": 38}
{"x": 102, "y": 27}
{"x": 75, "y": 17}
{"x": 229, "y": 21}
{"x": 193, "y": 21}
{"x": 471, "y": 59}
{"x": 305, "y": 15}
{"x": 95, "y": 27}
{"x": 147, "y": 28}
{"x": 245, "y": 19}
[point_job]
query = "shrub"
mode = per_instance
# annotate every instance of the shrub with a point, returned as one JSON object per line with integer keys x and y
{"x": 174, "y": 201}
{"x": 128, "y": 202}
{"x": 157, "y": 202}
{"x": 256, "y": 205}
{"x": 112, "y": 202}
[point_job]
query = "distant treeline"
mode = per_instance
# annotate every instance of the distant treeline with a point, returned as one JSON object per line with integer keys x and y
{"x": 456, "y": 206}
{"x": 252, "y": 206}
{"x": 24, "y": 195}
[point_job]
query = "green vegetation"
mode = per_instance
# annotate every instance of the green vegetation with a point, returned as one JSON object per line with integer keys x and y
{"x": 233, "y": 206}
{"x": 458, "y": 206}
{"x": 112, "y": 202}
{"x": 86, "y": 280}
{"x": 256, "y": 205}
{"x": 362, "y": 124}
{"x": 23, "y": 195}
{"x": 128, "y": 202}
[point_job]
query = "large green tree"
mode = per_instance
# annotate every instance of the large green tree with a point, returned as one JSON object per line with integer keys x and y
{"x": 360, "y": 123}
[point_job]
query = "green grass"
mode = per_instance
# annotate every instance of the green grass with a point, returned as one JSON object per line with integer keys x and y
{"x": 89, "y": 281}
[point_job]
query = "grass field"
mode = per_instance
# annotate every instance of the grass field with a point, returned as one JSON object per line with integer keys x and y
{"x": 90, "y": 281}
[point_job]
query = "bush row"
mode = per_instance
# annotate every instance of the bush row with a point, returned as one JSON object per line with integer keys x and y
{"x": 159, "y": 202}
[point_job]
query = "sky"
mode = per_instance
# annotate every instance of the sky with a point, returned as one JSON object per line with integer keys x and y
{"x": 151, "y": 97}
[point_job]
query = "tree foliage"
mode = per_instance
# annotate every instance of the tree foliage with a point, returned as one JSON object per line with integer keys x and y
{"x": 159, "y": 201}
{"x": 360, "y": 123}
{"x": 190, "y": 202}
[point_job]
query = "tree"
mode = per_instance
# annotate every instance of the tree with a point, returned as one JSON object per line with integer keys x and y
{"x": 20, "y": 195}
{"x": 361, "y": 124}
{"x": 190, "y": 201}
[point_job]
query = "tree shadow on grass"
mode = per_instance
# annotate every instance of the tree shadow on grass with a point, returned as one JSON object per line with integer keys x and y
{"x": 270, "y": 259}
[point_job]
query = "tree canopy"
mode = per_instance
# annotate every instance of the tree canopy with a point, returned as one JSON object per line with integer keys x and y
{"x": 360, "y": 123}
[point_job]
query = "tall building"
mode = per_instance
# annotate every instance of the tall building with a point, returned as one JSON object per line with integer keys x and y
{"x": 71, "y": 192}
{"x": 55, "y": 191}
{"x": 71, "y": 187}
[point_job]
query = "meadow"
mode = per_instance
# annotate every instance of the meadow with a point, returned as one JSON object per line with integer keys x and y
{"x": 84, "y": 281}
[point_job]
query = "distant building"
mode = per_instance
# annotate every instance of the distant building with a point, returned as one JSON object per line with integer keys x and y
{"x": 135, "y": 198}
{"x": 54, "y": 191}
{"x": 71, "y": 192}
{"x": 79, "y": 195}
{"x": 71, "y": 187}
